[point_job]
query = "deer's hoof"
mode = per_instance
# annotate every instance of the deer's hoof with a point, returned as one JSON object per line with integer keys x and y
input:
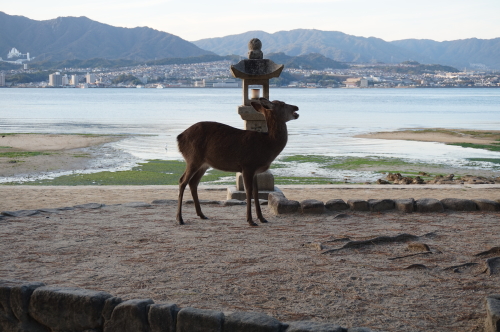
{"x": 251, "y": 223}
{"x": 181, "y": 222}
{"x": 202, "y": 216}
{"x": 263, "y": 220}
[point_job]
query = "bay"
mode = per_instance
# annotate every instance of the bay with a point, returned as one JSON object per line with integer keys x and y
{"x": 329, "y": 118}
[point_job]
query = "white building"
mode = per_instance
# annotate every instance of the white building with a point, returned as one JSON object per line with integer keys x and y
{"x": 2, "y": 79}
{"x": 74, "y": 80}
{"x": 65, "y": 80}
{"x": 55, "y": 79}
{"x": 90, "y": 78}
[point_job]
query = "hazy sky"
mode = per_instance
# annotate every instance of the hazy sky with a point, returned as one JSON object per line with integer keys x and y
{"x": 197, "y": 19}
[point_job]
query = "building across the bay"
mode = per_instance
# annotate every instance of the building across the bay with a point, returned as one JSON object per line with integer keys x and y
{"x": 55, "y": 79}
{"x": 2, "y": 79}
{"x": 91, "y": 78}
{"x": 74, "y": 80}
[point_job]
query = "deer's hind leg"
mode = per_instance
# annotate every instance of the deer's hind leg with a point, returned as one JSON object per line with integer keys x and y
{"x": 193, "y": 186}
{"x": 189, "y": 173}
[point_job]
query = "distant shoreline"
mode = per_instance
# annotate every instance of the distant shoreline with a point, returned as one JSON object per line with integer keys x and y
{"x": 34, "y": 155}
{"x": 280, "y": 87}
{"x": 439, "y": 135}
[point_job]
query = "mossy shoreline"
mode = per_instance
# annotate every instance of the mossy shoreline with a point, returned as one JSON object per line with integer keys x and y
{"x": 292, "y": 169}
{"x": 168, "y": 172}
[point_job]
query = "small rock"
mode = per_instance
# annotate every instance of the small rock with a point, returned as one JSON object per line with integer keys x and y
{"x": 428, "y": 205}
{"x": 418, "y": 180}
{"x": 404, "y": 180}
{"x": 312, "y": 206}
{"x": 404, "y": 205}
{"x": 459, "y": 204}
{"x": 377, "y": 205}
{"x": 492, "y": 313}
{"x": 162, "y": 317}
{"x": 487, "y": 205}
{"x": 191, "y": 319}
{"x": 394, "y": 177}
{"x": 61, "y": 309}
{"x": 131, "y": 315}
{"x": 279, "y": 204}
{"x": 358, "y": 205}
{"x": 336, "y": 205}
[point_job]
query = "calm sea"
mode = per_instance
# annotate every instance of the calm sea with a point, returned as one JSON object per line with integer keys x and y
{"x": 329, "y": 118}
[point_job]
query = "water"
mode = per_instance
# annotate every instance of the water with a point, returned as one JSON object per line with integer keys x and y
{"x": 329, "y": 118}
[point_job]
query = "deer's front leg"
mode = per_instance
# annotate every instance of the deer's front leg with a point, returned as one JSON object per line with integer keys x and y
{"x": 258, "y": 211}
{"x": 248, "y": 180}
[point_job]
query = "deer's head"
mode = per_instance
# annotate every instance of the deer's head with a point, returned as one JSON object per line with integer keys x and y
{"x": 276, "y": 109}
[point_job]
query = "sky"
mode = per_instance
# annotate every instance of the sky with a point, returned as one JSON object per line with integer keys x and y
{"x": 198, "y": 19}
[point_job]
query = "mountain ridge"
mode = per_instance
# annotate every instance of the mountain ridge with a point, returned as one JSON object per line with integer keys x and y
{"x": 82, "y": 38}
{"x": 69, "y": 38}
{"x": 471, "y": 52}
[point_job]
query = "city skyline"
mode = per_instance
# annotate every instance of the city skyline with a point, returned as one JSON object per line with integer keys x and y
{"x": 194, "y": 20}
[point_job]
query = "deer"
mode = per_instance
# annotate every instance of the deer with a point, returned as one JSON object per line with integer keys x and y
{"x": 217, "y": 145}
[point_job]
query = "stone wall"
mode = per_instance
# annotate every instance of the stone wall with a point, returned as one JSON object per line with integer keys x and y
{"x": 279, "y": 204}
{"x": 35, "y": 307}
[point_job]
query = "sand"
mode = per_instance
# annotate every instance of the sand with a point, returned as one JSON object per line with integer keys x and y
{"x": 52, "y": 142}
{"x": 277, "y": 268}
{"x": 36, "y": 197}
{"x": 60, "y": 153}
{"x": 440, "y": 135}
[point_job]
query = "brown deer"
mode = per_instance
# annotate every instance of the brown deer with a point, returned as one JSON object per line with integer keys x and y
{"x": 213, "y": 144}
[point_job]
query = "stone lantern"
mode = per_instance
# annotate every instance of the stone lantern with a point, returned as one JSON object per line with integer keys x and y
{"x": 255, "y": 72}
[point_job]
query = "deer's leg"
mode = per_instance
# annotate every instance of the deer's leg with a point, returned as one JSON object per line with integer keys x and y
{"x": 193, "y": 186}
{"x": 248, "y": 180}
{"x": 183, "y": 182}
{"x": 256, "y": 200}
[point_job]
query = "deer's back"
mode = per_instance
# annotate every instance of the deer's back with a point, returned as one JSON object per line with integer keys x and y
{"x": 224, "y": 147}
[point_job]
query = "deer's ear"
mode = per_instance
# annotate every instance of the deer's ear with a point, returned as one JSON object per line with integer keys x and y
{"x": 257, "y": 106}
{"x": 266, "y": 103}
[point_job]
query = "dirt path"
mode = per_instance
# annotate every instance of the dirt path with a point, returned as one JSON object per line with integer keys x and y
{"x": 276, "y": 268}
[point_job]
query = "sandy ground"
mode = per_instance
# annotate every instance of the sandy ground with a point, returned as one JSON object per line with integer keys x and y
{"x": 52, "y": 142}
{"x": 454, "y": 136}
{"x": 61, "y": 153}
{"x": 277, "y": 268}
{"x": 36, "y": 197}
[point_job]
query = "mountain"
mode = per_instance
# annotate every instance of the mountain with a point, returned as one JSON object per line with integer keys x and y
{"x": 332, "y": 44}
{"x": 306, "y": 61}
{"x": 470, "y": 53}
{"x": 473, "y": 52}
{"x": 81, "y": 38}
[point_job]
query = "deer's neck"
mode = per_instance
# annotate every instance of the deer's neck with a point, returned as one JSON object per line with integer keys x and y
{"x": 278, "y": 133}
